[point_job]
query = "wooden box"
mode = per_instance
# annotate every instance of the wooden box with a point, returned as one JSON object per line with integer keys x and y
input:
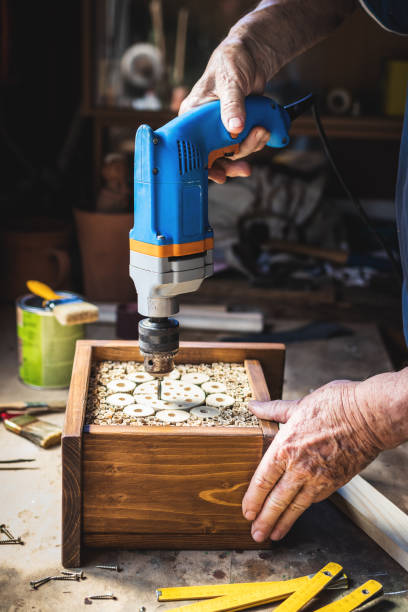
{"x": 161, "y": 487}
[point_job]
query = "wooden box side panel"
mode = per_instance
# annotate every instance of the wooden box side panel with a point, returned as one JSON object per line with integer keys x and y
{"x": 71, "y": 446}
{"x": 167, "y": 484}
{"x": 271, "y": 356}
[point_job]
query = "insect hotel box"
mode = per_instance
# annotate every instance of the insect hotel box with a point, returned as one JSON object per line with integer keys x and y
{"x": 136, "y": 474}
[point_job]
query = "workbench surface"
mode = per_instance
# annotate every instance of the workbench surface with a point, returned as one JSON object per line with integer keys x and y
{"x": 30, "y": 504}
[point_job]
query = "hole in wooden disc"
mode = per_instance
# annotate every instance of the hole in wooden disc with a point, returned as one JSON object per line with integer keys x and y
{"x": 219, "y": 399}
{"x": 171, "y": 414}
{"x": 121, "y": 385}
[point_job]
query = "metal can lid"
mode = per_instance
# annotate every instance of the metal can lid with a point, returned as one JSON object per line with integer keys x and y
{"x": 34, "y": 303}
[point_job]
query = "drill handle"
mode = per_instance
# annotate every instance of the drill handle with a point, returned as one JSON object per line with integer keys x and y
{"x": 203, "y": 127}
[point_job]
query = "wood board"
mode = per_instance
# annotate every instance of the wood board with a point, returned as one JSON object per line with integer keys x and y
{"x": 377, "y": 516}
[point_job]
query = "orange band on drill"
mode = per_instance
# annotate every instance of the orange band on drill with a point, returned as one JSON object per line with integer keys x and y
{"x": 171, "y": 250}
{"x": 217, "y": 153}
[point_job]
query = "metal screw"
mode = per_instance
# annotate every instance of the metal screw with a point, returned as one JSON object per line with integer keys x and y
{"x": 37, "y": 583}
{"x": 160, "y": 237}
{"x": 78, "y": 575}
{"x": 115, "y": 568}
{"x": 327, "y": 573}
{"x": 142, "y": 609}
{"x": 107, "y": 596}
{"x": 155, "y": 171}
{"x": 14, "y": 541}
{"x": 155, "y": 140}
{"x": 365, "y": 592}
{"x": 284, "y": 140}
{"x": 4, "y": 529}
{"x": 76, "y": 578}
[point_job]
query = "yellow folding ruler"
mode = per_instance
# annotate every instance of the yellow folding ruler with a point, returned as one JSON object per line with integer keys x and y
{"x": 299, "y": 592}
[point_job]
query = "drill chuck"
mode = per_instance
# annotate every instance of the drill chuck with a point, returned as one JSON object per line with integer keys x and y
{"x": 159, "y": 343}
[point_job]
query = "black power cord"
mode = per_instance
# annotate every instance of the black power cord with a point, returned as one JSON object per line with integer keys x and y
{"x": 294, "y": 110}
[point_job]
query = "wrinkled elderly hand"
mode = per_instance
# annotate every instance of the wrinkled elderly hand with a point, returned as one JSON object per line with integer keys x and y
{"x": 233, "y": 72}
{"x": 326, "y": 438}
{"x": 255, "y": 49}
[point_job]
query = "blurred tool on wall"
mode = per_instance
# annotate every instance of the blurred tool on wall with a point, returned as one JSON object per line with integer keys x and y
{"x": 395, "y": 87}
{"x": 114, "y": 196}
{"x": 142, "y": 70}
{"x": 179, "y": 90}
{"x": 341, "y": 101}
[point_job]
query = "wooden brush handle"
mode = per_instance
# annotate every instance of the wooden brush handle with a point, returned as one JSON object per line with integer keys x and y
{"x": 42, "y": 290}
{"x": 333, "y": 255}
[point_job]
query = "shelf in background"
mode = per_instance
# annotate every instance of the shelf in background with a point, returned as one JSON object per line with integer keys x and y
{"x": 352, "y": 128}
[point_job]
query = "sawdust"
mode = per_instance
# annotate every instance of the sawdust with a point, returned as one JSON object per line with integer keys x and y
{"x": 233, "y": 375}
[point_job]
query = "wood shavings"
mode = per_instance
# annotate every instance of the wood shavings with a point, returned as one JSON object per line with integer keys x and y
{"x": 231, "y": 377}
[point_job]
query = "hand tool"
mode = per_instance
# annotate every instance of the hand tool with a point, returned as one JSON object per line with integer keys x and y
{"x": 40, "y": 432}
{"x": 368, "y": 592}
{"x": 299, "y": 592}
{"x": 10, "y": 463}
{"x": 15, "y": 460}
{"x": 239, "y": 597}
{"x": 34, "y": 407}
{"x": 171, "y": 242}
{"x": 67, "y": 311}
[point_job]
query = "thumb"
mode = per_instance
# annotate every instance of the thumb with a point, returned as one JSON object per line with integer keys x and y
{"x": 232, "y": 101}
{"x": 279, "y": 410}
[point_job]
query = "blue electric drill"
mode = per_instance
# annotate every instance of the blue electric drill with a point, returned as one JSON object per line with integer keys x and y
{"x": 171, "y": 242}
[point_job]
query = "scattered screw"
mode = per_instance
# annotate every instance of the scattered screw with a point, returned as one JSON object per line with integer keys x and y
{"x": 76, "y": 578}
{"x": 107, "y": 596}
{"x": 160, "y": 237}
{"x": 37, "y": 583}
{"x": 13, "y": 541}
{"x": 155, "y": 140}
{"x": 115, "y": 568}
{"x": 4, "y": 529}
{"x": 155, "y": 171}
{"x": 142, "y": 609}
{"x": 79, "y": 575}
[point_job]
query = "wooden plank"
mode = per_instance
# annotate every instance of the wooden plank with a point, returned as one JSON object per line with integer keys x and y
{"x": 165, "y": 541}
{"x": 179, "y": 483}
{"x": 261, "y": 394}
{"x": 384, "y": 522}
{"x": 71, "y": 448}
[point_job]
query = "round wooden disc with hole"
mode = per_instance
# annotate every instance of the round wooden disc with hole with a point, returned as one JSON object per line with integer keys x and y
{"x": 172, "y": 416}
{"x": 138, "y": 410}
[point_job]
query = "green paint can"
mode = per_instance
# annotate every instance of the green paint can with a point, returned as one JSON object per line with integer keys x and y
{"x": 45, "y": 347}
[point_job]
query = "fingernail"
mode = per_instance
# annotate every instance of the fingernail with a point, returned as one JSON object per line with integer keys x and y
{"x": 258, "y": 536}
{"x": 250, "y": 515}
{"x": 234, "y": 123}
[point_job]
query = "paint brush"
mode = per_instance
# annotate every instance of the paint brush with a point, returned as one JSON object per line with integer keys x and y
{"x": 67, "y": 311}
{"x": 39, "y": 432}
{"x": 33, "y": 407}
